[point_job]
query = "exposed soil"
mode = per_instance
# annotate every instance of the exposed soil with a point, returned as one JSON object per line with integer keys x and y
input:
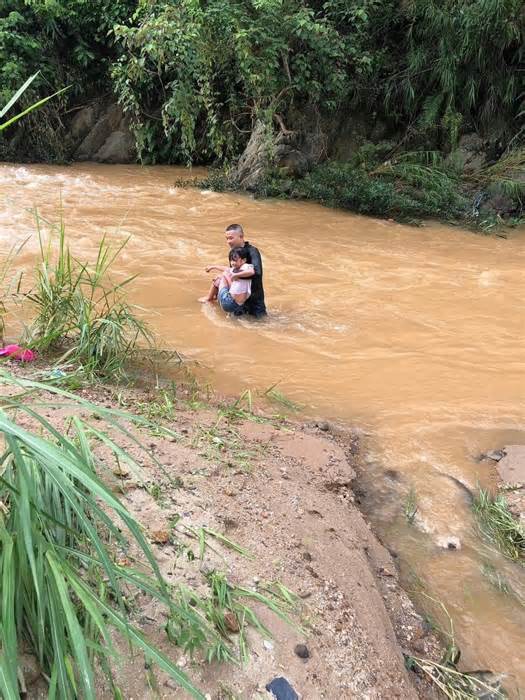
{"x": 510, "y": 469}
{"x": 283, "y": 491}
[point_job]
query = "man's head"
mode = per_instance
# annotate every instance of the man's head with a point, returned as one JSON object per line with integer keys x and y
{"x": 234, "y": 236}
{"x": 237, "y": 257}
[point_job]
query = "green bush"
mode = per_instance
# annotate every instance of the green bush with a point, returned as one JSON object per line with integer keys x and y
{"x": 194, "y": 75}
{"x": 405, "y": 191}
{"x": 342, "y": 185}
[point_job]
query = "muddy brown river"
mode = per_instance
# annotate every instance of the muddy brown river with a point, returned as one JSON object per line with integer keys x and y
{"x": 413, "y": 336}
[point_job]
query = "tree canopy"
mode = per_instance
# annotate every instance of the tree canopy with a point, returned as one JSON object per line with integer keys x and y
{"x": 193, "y": 75}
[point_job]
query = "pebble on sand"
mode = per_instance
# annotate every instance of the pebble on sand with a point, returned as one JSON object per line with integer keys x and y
{"x": 302, "y": 651}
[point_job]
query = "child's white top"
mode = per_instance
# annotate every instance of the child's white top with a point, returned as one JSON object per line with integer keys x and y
{"x": 242, "y": 286}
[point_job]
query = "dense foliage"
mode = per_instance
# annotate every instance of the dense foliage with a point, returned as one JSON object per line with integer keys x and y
{"x": 409, "y": 186}
{"x": 194, "y": 76}
{"x": 413, "y": 194}
{"x": 69, "y": 43}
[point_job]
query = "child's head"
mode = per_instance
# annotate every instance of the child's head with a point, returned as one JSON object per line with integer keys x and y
{"x": 237, "y": 257}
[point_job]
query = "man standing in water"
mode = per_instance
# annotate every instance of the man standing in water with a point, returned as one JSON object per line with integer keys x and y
{"x": 254, "y": 305}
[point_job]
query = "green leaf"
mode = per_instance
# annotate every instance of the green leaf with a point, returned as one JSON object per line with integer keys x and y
{"x": 30, "y": 109}
{"x": 18, "y": 94}
{"x": 75, "y": 630}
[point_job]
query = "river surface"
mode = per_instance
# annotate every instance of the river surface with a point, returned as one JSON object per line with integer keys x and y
{"x": 414, "y": 336}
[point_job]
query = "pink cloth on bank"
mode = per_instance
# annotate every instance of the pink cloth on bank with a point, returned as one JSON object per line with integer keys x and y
{"x": 18, "y": 353}
{"x": 241, "y": 286}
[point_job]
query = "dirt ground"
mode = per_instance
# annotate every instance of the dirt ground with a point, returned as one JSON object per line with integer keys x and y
{"x": 282, "y": 491}
{"x": 511, "y": 472}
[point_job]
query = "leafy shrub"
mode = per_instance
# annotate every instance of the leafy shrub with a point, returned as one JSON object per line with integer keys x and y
{"x": 193, "y": 76}
{"x": 342, "y": 185}
{"x": 404, "y": 190}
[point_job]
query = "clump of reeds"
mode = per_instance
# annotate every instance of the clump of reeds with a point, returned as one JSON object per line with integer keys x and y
{"x": 498, "y": 525}
{"x": 228, "y": 610}
{"x": 277, "y": 397}
{"x": 454, "y": 684}
{"x": 444, "y": 674}
{"x": 506, "y": 174}
{"x": 496, "y": 579}
{"x": 411, "y": 507}
{"x": 80, "y": 312}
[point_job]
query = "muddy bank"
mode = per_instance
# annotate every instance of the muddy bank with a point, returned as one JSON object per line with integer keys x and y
{"x": 283, "y": 492}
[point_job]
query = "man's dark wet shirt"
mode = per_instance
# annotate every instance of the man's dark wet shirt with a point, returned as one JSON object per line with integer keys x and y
{"x": 255, "y": 303}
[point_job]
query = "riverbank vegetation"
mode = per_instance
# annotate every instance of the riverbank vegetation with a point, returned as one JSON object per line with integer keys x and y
{"x": 403, "y": 188}
{"x": 499, "y": 526}
{"x": 78, "y": 311}
{"x": 76, "y": 564}
{"x": 339, "y": 102}
{"x": 65, "y": 583}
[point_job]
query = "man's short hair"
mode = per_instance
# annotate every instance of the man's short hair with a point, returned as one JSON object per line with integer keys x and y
{"x": 235, "y": 227}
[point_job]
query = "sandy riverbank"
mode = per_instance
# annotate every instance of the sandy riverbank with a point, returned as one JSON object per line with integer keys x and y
{"x": 283, "y": 491}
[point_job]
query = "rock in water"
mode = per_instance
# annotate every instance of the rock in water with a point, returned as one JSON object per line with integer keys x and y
{"x": 449, "y": 542}
{"x": 495, "y": 455}
{"x": 281, "y": 689}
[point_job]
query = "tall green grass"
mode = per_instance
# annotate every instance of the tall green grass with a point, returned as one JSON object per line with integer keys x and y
{"x": 64, "y": 593}
{"x": 80, "y": 311}
{"x": 9, "y": 283}
{"x": 499, "y": 526}
{"x": 228, "y": 608}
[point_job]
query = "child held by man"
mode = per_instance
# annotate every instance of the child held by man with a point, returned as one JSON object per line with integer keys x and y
{"x": 232, "y": 290}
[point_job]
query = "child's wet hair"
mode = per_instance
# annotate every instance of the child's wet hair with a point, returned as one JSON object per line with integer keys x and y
{"x": 236, "y": 253}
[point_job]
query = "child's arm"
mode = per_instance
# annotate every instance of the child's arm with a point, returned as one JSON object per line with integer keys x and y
{"x": 245, "y": 272}
{"x": 219, "y": 268}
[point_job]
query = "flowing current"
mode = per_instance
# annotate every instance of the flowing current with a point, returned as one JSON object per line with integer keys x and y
{"x": 413, "y": 336}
